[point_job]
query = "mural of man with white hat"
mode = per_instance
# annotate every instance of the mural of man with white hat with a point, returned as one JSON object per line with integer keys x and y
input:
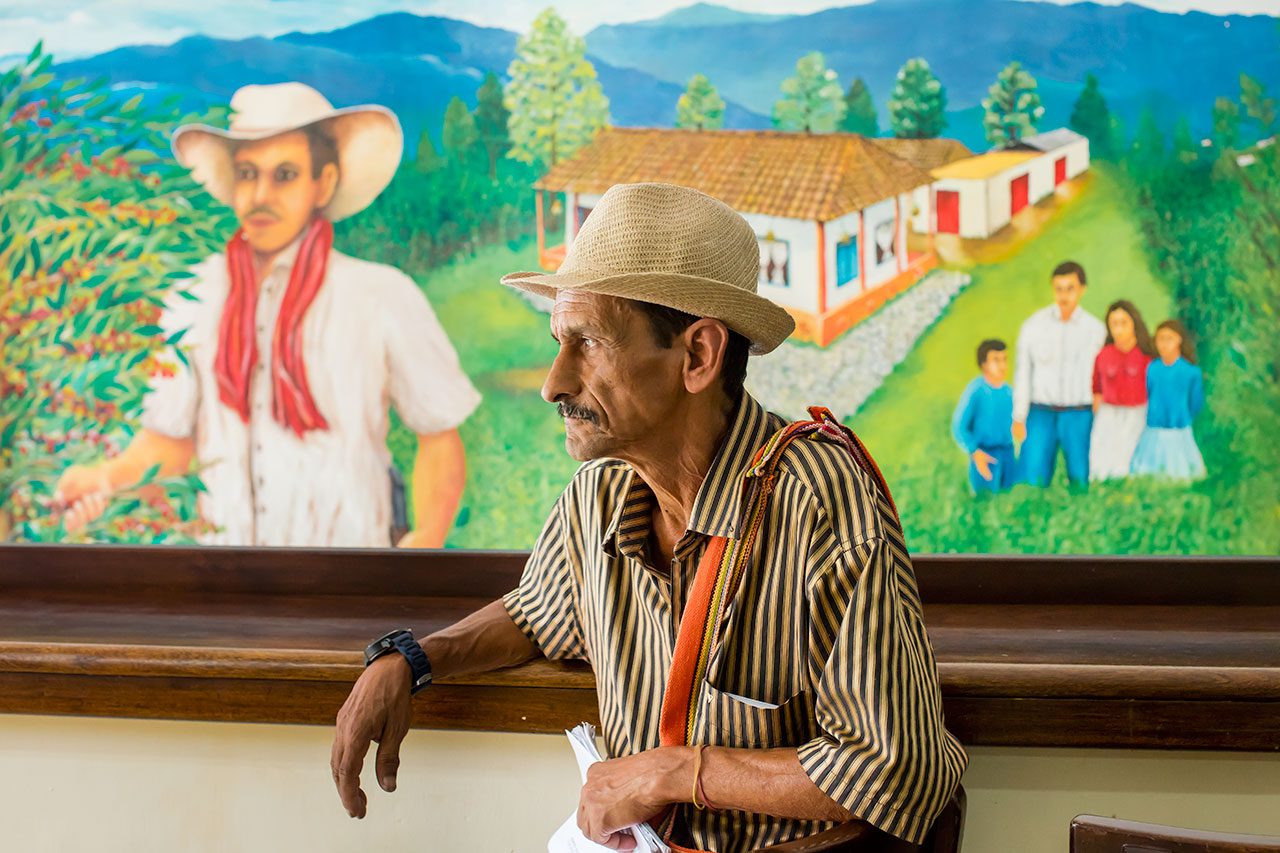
{"x": 295, "y": 350}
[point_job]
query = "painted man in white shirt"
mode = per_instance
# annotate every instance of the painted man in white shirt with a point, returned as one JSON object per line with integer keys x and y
{"x": 1053, "y": 382}
{"x": 295, "y": 351}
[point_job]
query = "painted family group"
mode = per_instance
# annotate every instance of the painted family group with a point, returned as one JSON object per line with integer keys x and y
{"x": 1115, "y": 400}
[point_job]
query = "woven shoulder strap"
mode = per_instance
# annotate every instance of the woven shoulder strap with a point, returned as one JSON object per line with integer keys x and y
{"x": 720, "y": 573}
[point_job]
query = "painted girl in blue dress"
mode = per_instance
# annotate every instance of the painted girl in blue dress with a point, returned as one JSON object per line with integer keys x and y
{"x": 1175, "y": 394}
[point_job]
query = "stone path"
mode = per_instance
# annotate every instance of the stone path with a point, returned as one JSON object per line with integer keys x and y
{"x": 843, "y": 375}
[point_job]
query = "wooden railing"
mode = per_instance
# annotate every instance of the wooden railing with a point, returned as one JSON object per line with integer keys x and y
{"x": 1032, "y": 651}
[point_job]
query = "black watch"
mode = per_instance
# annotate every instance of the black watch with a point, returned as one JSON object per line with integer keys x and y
{"x": 402, "y": 641}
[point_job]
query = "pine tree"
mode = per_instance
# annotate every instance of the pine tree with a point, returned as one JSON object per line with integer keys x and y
{"x": 917, "y": 107}
{"x": 459, "y": 136}
{"x": 700, "y": 107}
{"x": 1226, "y": 124}
{"x": 1091, "y": 118}
{"x": 1012, "y": 106}
{"x": 427, "y": 159}
{"x": 1185, "y": 149}
{"x": 812, "y": 101}
{"x": 491, "y": 122}
{"x": 1147, "y": 154}
{"x": 556, "y": 102}
{"x": 860, "y": 111}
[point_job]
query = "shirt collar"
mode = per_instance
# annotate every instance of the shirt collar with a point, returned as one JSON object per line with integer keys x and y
{"x": 1055, "y": 314}
{"x": 716, "y": 509}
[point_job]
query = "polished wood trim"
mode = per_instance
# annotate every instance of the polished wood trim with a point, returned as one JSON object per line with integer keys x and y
{"x": 1045, "y": 651}
{"x": 942, "y": 578}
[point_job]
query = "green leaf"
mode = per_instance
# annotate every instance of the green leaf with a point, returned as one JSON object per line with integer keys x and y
{"x": 149, "y": 331}
{"x": 149, "y": 475}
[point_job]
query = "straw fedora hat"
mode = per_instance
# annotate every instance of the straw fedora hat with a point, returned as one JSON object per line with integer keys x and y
{"x": 369, "y": 141}
{"x": 671, "y": 246}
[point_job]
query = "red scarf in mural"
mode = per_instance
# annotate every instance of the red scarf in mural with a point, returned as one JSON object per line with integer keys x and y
{"x": 292, "y": 405}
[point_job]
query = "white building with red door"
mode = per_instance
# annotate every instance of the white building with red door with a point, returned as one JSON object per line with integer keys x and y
{"x": 830, "y": 210}
{"x": 978, "y": 196}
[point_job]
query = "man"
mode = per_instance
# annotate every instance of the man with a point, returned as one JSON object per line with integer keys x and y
{"x": 1053, "y": 382}
{"x": 820, "y": 702}
{"x": 983, "y": 421}
{"x": 293, "y": 350}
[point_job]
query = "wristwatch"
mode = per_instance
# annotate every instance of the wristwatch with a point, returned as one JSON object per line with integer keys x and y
{"x": 402, "y": 641}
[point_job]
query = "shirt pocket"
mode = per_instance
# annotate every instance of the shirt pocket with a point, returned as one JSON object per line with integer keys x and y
{"x": 738, "y": 720}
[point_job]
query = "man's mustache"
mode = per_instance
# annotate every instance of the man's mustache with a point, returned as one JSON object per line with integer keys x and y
{"x": 572, "y": 410}
{"x": 262, "y": 210}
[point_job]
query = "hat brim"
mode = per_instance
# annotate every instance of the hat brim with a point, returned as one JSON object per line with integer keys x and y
{"x": 762, "y": 322}
{"x": 370, "y": 146}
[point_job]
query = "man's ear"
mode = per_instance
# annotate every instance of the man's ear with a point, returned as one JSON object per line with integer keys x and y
{"x": 706, "y": 342}
{"x": 328, "y": 181}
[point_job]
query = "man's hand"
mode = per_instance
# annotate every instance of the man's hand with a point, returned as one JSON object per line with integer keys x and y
{"x": 378, "y": 709}
{"x": 85, "y": 490}
{"x": 982, "y": 461}
{"x": 1019, "y": 431}
{"x": 626, "y": 791}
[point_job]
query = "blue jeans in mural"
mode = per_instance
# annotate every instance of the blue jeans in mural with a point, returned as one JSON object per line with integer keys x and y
{"x": 1048, "y": 429}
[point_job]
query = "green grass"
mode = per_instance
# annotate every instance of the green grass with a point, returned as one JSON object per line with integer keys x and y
{"x": 516, "y": 463}
{"x": 906, "y": 423}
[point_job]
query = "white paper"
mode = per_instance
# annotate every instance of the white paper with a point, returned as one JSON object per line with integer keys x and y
{"x": 569, "y": 838}
{"x": 754, "y": 703}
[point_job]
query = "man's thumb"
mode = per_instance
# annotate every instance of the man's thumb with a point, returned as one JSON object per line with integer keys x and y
{"x": 387, "y": 764}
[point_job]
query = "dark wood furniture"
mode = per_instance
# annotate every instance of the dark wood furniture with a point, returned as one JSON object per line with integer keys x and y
{"x": 1092, "y": 834}
{"x": 1123, "y": 652}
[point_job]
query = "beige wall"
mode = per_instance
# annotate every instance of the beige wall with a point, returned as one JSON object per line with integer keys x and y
{"x": 79, "y": 784}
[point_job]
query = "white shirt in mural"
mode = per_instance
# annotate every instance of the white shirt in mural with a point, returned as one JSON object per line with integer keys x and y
{"x": 370, "y": 340}
{"x": 1055, "y": 360}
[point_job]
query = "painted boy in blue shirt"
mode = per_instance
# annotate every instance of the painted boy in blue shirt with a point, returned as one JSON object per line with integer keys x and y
{"x": 983, "y": 421}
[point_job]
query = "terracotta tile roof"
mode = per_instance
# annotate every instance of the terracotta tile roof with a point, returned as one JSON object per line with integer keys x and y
{"x": 926, "y": 154}
{"x": 813, "y": 177}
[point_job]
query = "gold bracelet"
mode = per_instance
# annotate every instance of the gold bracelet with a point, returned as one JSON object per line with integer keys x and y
{"x": 697, "y": 769}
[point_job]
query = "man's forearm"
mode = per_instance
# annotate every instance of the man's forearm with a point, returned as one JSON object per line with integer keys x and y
{"x": 763, "y": 781}
{"x": 483, "y": 641}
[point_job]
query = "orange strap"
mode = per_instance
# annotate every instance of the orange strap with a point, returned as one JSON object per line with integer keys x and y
{"x": 719, "y": 574}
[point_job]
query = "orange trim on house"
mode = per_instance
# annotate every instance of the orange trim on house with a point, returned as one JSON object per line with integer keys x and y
{"x": 823, "y": 329}
{"x": 822, "y": 268}
{"x": 552, "y": 257}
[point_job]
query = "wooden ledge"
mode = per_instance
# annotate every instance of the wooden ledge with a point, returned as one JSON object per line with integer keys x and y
{"x": 1174, "y": 654}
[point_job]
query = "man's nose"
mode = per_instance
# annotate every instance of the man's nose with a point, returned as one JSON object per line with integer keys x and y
{"x": 262, "y": 190}
{"x": 562, "y": 379}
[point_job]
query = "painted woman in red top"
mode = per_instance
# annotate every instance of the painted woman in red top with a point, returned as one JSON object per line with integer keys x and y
{"x": 1119, "y": 392}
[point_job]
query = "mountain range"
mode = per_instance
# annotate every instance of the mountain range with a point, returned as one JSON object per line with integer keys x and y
{"x": 1175, "y": 64}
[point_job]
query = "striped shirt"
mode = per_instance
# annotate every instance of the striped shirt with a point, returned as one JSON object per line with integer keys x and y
{"x": 825, "y": 639}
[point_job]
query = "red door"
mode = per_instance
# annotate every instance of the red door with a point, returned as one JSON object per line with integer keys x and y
{"x": 1019, "y": 193}
{"x": 948, "y": 212}
{"x": 1059, "y": 170}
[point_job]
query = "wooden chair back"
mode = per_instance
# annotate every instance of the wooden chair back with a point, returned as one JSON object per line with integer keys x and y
{"x": 1093, "y": 834}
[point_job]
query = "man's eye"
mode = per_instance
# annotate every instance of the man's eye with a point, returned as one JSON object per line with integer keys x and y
{"x": 286, "y": 173}
{"x": 245, "y": 173}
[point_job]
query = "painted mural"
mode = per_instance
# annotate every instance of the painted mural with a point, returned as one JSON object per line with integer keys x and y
{"x": 249, "y": 269}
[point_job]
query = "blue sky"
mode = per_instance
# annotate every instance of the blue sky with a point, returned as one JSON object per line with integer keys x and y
{"x": 74, "y": 28}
